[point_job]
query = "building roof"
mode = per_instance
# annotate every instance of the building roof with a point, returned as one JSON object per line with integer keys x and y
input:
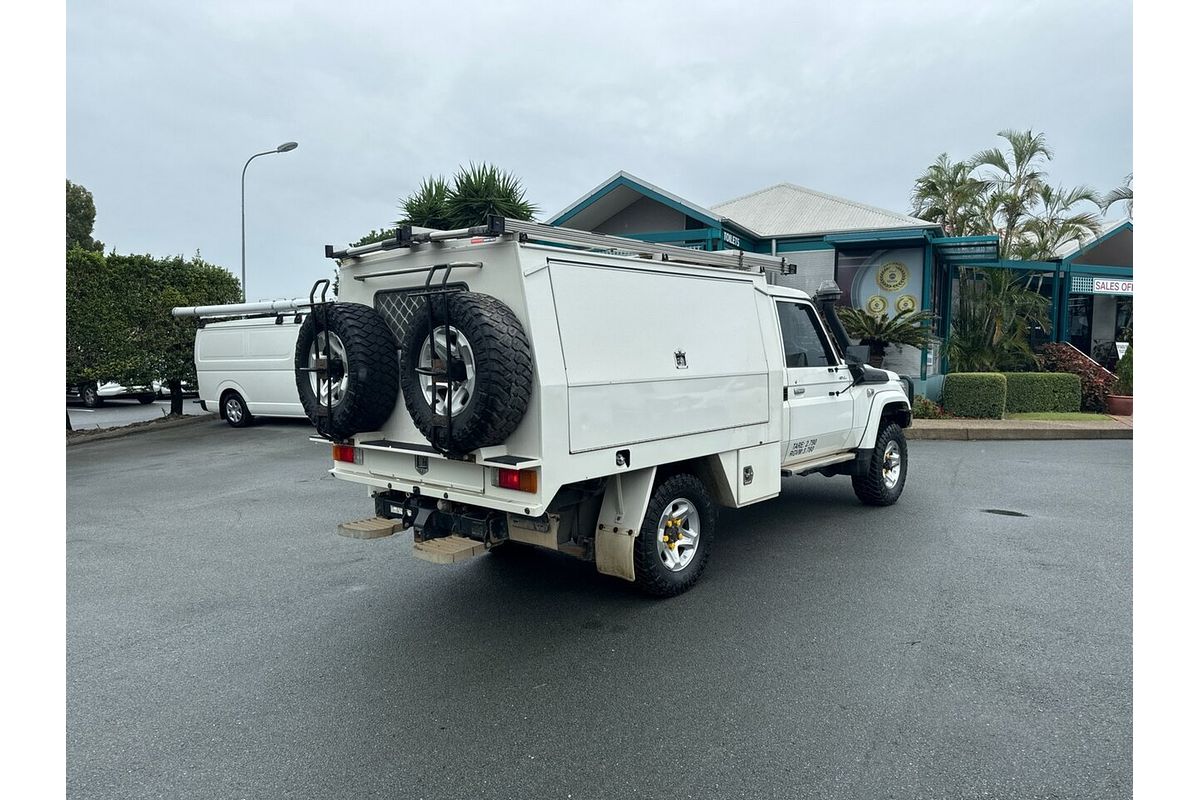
{"x": 786, "y": 209}
{"x": 616, "y": 193}
{"x": 1071, "y": 248}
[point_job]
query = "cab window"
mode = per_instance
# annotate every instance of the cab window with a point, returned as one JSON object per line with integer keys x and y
{"x": 804, "y": 343}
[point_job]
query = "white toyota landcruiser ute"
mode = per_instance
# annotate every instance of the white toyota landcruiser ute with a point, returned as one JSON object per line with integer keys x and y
{"x": 594, "y": 395}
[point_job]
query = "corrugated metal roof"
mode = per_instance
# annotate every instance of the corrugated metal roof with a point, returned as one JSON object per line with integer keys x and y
{"x": 556, "y": 219}
{"x": 786, "y": 209}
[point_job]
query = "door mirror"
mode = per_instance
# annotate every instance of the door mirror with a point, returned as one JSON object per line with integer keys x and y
{"x": 857, "y": 354}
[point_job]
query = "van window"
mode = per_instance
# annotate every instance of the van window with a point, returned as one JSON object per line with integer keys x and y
{"x": 804, "y": 343}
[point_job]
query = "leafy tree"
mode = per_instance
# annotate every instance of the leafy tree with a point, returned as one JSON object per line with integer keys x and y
{"x": 119, "y": 323}
{"x": 81, "y": 217}
{"x": 877, "y": 332}
{"x": 1121, "y": 194}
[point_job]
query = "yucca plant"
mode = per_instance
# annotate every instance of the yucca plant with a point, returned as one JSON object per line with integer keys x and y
{"x": 428, "y": 206}
{"x": 877, "y": 332}
{"x": 483, "y": 189}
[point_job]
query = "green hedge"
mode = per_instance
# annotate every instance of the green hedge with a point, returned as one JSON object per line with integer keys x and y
{"x": 980, "y": 395}
{"x": 1042, "y": 391}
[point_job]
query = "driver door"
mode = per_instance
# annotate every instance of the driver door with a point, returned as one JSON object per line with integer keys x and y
{"x": 818, "y": 409}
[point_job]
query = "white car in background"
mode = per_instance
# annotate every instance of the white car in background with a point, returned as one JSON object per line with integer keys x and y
{"x": 93, "y": 394}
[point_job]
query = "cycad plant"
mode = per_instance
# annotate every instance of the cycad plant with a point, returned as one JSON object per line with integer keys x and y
{"x": 877, "y": 332}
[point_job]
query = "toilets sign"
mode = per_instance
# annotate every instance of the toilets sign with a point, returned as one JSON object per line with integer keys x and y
{"x": 1111, "y": 286}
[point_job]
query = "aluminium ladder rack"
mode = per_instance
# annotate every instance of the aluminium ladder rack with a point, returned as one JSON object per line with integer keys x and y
{"x": 538, "y": 232}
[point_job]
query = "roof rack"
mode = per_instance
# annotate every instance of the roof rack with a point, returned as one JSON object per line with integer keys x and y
{"x": 541, "y": 233}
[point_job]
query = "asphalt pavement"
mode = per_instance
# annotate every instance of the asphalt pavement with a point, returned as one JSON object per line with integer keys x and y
{"x": 971, "y": 641}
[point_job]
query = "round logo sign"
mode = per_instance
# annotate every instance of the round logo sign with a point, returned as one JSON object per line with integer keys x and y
{"x": 892, "y": 276}
{"x": 906, "y": 303}
{"x": 876, "y": 305}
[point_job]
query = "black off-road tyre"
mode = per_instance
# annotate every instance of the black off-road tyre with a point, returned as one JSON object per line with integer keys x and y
{"x": 503, "y": 372}
{"x": 651, "y": 574}
{"x": 873, "y": 489}
{"x": 370, "y": 369}
{"x": 234, "y": 410}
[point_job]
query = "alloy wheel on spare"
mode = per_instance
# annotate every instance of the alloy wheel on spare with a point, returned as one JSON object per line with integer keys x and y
{"x": 678, "y": 534}
{"x": 329, "y": 386}
{"x": 447, "y": 346}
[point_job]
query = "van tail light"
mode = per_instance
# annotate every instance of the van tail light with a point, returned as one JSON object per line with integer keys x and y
{"x": 521, "y": 480}
{"x": 347, "y": 453}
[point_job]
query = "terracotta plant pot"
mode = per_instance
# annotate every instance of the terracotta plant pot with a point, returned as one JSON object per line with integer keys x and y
{"x": 1120, "y": 405}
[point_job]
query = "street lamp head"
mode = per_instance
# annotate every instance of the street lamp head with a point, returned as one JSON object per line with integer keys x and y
{"x": 286, "y": 146}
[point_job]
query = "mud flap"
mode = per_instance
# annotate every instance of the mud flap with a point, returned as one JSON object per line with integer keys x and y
{"x": 621, "y": 514}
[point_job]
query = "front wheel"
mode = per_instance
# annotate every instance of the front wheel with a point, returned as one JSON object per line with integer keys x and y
{"x": 884, "y": 481}
{"x": 90, "y": 395}
{"x": 673, "y": 545}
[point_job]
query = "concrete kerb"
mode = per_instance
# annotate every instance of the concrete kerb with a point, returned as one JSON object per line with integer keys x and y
{"x": 1010, "y": 430}
{"x": 84, "y": 436}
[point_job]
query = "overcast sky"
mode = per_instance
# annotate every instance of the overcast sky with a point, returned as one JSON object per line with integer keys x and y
{"x": 166, "y": 101}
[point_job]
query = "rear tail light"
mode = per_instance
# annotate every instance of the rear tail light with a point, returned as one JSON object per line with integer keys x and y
{"x": 347, "y": 453}
{"x": 521, "y": 480}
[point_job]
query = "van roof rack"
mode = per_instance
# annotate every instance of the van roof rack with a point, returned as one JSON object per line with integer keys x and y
{"x": 541, "y": 233}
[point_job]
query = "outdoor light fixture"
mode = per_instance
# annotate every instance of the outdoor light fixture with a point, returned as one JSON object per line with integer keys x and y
{"x": 286, "y": 147}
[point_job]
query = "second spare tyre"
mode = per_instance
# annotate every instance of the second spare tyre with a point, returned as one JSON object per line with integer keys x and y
{"x": 356, "y": 390}
{"x": 480, "y": 342}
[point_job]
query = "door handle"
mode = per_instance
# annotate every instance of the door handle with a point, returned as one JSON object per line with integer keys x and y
{"x": 798, "y": 390}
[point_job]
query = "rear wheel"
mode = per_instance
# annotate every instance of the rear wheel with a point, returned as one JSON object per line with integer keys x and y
{"x": 672, "y": 547}
{"x": 235, "y": 411}
{"x": 146, "y": 399}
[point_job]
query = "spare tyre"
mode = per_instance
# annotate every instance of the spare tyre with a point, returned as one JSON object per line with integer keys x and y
{"x": 357, "y": 391}
{"x": 491, "y": 371}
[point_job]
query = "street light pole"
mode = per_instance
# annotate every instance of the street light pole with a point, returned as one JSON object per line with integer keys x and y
{"x": 283, "y": 148}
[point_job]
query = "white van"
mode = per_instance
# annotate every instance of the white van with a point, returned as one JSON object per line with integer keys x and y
{"x": 246, "y": 368}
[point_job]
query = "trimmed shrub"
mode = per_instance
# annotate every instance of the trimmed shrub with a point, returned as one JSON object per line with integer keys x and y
{"x": 1096, "y": 383}
{"x": 1042, "y": 391}
{"x": 980, "y": 395}
{"x": 1125, "y": 374}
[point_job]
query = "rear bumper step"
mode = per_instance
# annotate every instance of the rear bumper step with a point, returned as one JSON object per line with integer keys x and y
{"x": 447, "y": 549}
{"x": 371, "y": 528}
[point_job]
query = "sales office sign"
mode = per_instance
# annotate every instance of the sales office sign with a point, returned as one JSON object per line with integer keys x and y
{"x": 1111, "y": 286}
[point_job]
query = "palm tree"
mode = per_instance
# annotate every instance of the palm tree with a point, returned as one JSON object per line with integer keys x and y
{"x": 948, "y": 194}
{"x": 990, "y": 329}
{"x": 1017, "y": 177}
{"x": 877, "y": 332}
{"x": 1055, "y": 223}
{"x": 1121, "y": 194}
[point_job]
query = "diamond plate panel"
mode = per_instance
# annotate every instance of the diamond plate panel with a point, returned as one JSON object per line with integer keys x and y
{"x": 400, "y": 306}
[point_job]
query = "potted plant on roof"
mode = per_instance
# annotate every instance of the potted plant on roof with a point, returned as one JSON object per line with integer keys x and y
{"x": 877, "y": 332}
{"x": 1120, "y": 402}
